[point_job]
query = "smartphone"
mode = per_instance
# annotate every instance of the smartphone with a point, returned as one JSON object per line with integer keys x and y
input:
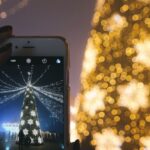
{"x": 34, "y": 95}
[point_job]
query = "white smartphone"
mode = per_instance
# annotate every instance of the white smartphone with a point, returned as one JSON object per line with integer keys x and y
{"x": 34, "y": 95}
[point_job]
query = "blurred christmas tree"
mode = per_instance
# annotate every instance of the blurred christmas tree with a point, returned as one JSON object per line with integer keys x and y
{"x": 114, "y": 102}
{"x": 29, "y": 123}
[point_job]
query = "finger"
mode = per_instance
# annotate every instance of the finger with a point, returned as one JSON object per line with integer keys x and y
{"x": 5, "y": 33}
{"x": 76, "y": 145}
{"x": 5, "y": 48}
{"x": 5, "y": 53}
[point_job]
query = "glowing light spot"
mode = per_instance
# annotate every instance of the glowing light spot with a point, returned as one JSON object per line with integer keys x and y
{"x": 26, "y": 107}
{"x": 90, "y": 58}
{"x": 73, "y": 130}
{"x": 37, "y": 123}
{"x": 146, "y": 142}
{"x": 27, "y": 96}
{"x": 134, "y": 95}
{"x": 108, "y": 140}
{"x": 7, "y": 148}
{"x": 30, "y": 121}
{"x": 3, "y": 15}
{"x": 33, "y": 113}
{"x": 124, "y": 8}
{"x": 22, "y": 122}
{"x": 25, "y": 131}
{"x": 40, "y": 140}
{"x": 11, "y": 127}
{"x": 21, "y": 114}
{"x": 98, "y": 10}
{"x": 35, "y": 132}
{"x": 143, "y": 53}
{"x": 28, "y": 89}
{"x": 115, "y": 22}
{"x": 73, "y": 110}
{"x": 94, "y": 98}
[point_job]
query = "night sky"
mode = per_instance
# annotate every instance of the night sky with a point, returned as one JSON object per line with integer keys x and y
{"x": 68, "y": 18}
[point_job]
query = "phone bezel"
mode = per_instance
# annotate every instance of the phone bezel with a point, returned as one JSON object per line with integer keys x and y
{"x": 47, "y": 46}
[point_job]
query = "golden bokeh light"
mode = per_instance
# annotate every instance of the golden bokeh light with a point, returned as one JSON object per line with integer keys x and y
{"x": 113, "y": 111}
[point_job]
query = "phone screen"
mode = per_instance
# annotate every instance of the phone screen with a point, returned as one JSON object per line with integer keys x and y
{"x": 32, "y": 103}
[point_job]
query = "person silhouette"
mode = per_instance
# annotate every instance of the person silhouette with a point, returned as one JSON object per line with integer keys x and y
{"x": 5, "y": 53}
{"x": 21, "y": 139}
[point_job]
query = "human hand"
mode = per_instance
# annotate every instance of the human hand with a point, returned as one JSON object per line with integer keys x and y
{"x": 5, "y": 53}
{"x": 5, "y": 50}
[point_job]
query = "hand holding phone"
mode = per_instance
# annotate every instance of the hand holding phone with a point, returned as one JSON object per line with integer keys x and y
{"x": 5, "y": 53}
{"x": 5, "y": 50}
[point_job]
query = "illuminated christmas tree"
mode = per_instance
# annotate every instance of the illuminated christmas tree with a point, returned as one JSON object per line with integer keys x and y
{"x": 29, "y": 122}
{"x": 114, "y": 102}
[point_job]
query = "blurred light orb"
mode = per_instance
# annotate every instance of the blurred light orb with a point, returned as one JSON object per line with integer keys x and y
{"x": 3, "y": 15}
{"x": 108, "y": 140}
{"x": 143, "y": 51}
{"x": 11, "y": 10}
